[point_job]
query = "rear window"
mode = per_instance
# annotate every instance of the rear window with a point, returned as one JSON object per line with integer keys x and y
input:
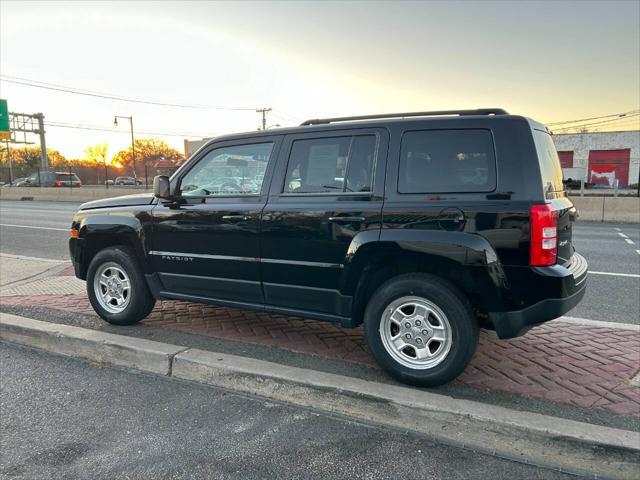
{"x": 441, "y": 161}
{"x": 550, "y": 169}
{"x": 67, "y": 177}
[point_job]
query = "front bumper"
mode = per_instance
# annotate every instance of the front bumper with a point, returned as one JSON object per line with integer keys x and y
{"x": 565, "y": 287}
{"x": 76, "y": 252}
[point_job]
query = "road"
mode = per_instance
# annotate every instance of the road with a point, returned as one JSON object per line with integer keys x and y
{"x": 40, "y": 229}
{"x": 63, "y": 418}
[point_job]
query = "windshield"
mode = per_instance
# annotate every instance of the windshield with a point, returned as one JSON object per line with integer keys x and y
{"x": 550, "y": 169}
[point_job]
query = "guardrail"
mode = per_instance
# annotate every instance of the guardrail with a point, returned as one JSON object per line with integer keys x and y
{"x": 608, "y": 209}
{"x": 593, "y": 209}
{"x": 63, "y": 194}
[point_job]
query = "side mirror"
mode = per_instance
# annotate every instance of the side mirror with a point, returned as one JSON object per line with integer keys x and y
{"x": 161, "y": 187}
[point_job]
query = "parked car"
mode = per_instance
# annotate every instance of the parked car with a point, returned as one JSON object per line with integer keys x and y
{"x": 16, "y": 182}
{"x": 127, "y": 181}
{"x": 424, "y": 227}
{"x": 52, "y": 179}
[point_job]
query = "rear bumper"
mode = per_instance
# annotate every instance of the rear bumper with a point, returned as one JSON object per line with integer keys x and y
{"x": 565, "y": 287}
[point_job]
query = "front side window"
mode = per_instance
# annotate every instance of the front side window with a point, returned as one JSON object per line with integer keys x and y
{"x": 236, "y": 170}
{"x": 335, "y": 164}
{"x": 441, "y": 161}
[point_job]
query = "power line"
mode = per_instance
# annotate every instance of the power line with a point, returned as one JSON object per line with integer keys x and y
{"x": 582, "y": 125}
{"x": 106, "y": 129}
{"x": 89, "y": 93}
{"x": 593, "y": 118}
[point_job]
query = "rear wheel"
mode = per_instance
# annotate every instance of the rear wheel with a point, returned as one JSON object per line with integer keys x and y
{"x": 421, "y": 329}
{"x": 116, "y": 287}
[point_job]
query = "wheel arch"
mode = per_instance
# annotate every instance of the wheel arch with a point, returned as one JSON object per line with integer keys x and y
{"x": 466, "y": 261}
{"x": 98, "y": 232}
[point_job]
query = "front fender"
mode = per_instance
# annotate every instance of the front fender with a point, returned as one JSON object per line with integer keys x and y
{"x": 99, "y": 230}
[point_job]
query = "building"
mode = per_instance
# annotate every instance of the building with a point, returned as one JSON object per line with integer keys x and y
{"x": 191, "y": 146}
{"x": 600, "y": 158}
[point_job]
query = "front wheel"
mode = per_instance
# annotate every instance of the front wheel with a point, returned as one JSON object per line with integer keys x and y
{"x": 116, "y": 287}
{"x": 421, "y": 329}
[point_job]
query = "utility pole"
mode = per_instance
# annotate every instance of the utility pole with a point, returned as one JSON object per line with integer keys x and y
{"x": 43, "y": 144}
{"x": 133, "y": 143}
{"x": 263, "y": 111}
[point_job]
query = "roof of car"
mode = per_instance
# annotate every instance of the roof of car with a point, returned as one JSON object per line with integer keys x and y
{"x": 319, "y": 125}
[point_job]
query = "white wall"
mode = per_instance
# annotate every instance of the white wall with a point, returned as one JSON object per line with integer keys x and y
{"x": 190, "y": 146}
{"x": 582, "y": 143}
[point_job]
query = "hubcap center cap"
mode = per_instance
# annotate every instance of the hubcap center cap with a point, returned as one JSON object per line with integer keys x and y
{"x": 416, "y": 331}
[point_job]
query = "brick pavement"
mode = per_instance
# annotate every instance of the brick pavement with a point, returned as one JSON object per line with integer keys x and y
{"x": 567, "y": 363}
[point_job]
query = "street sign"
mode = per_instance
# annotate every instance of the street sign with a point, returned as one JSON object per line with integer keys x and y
{"x": 5, "y": 133}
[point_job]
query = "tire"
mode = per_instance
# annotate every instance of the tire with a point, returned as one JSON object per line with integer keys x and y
{"x": 438, "y": 319}
{"x": 127, "y": 306}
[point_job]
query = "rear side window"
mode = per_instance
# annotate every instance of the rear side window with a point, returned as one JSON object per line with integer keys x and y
{"x": 335, "y": 164}
{"x": 441, "y": 161}
{"x": 550, "y": 169}
{"x": 67, "y": 177}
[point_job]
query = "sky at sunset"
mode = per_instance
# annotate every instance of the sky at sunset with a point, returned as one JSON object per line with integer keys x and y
{"x": 552, "y": 61}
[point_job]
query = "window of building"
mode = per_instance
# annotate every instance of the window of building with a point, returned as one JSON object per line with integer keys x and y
{"x": 335, "y": 164}
{"x": 441, "y": 161}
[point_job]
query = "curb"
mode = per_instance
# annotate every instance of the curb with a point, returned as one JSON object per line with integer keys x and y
{"x": 566, "y": 445}
{"x": 93, "y": 345}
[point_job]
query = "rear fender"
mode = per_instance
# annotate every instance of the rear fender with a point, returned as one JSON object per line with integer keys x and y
{"x": 467, "y": 260}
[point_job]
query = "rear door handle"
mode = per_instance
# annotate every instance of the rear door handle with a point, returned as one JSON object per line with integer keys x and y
{"x": 347, "y": 219}
{"x": 236, "y": 218}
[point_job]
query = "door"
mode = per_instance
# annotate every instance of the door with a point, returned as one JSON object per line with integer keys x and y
{"x": 607, "y": 166}
{"x": 206, "y": 243}
{"x": 324, "y": 193}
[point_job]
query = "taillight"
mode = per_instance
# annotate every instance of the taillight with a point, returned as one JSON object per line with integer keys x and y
{"x": 544, "y": 236}
{"x": 57, "y": 183}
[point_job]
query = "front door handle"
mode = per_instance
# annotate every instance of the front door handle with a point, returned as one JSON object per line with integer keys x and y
{"x": 347, "y": 219}
{"x": 236, "y": 218}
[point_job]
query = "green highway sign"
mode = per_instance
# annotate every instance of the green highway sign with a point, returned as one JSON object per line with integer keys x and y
{"x": 5, "y": 133}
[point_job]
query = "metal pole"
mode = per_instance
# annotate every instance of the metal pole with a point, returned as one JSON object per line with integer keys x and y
{"x": 106, "y": 173}
{"x": 133, "y": 148}
{"x": 10, "y": 164}
{"x": 43, "y": 144}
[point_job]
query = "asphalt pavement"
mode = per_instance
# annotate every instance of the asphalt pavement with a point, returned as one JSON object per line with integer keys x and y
{"x": 64, "y": 418}
{"x": 40, "y": 229}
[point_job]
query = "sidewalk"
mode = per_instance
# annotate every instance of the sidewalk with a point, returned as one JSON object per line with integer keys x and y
{"x": 580, "y": 365}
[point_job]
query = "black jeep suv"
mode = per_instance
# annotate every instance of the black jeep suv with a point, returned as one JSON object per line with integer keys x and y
{"x": 423, "y": 226}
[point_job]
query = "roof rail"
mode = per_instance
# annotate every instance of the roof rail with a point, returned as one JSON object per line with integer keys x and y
{"x": 479, "y": 111}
